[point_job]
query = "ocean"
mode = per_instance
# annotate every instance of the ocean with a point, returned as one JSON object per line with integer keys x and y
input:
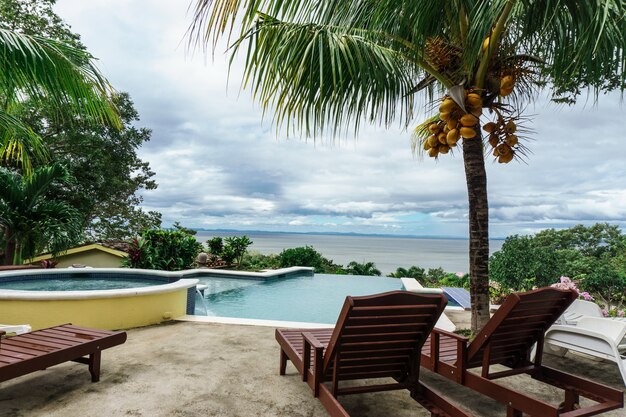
{"x": 388, "y": 253}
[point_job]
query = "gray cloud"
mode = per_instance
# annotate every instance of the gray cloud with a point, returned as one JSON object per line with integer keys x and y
{"x": 219, "y": 163}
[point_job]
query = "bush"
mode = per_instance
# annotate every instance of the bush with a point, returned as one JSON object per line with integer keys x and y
{"x": 216, "y": 245}
{"x": 256, "y": 261}
{"x": 165, "y": 250}
{"x": 308, "y": 256}
{"x": 368, "y": 268}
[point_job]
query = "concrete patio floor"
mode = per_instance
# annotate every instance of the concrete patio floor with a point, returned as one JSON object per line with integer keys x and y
{"x": 198, "y": 369}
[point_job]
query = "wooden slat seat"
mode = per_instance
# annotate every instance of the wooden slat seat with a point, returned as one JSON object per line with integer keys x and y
{"x": 41, "y": 349}
{"x": 508, "y": 339}
{"x": 377, "y": 336}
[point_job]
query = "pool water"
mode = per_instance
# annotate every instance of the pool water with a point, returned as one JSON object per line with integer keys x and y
{"x": 312, "y": 299}
{"x": 76, "y": 284}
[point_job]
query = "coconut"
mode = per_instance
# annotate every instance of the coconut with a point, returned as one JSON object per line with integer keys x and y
{"x": 511, "y": 140}
{"x": 490, "y": 127}
{"x": 505, "y": 159}
{"x": 510, "y": 127}
{"x": 469, "y": 120}
{"x": 503, "y": 149}
{"x": 452, "y": 123}
{"x": 507, "y": 81}
{"x": 442, "y": 138}
{"x": 434, "y": 128}
{"x": 474, "y": 100}
{"x": 427, "y": 145}
{"x": 453, "y": 135}
{"x": 445, "y": 116}
{"x": 505, "y": 91}
{"x": 433, "y": 141}
{"x": 468, "y": 132}
{"x": 447, "y": 105}
{"x": 433, "y": 152}
{"x": 494, "y": 140}
{"x": 443, "y": 149}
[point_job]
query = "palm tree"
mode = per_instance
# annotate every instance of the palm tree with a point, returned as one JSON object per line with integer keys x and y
{"x": 327, "y": 65}
{"x": 413, "y": 272}
{"x": 367, "y": 268}
{"x": 45, "y": 70}
{"x": 31, "y": 220}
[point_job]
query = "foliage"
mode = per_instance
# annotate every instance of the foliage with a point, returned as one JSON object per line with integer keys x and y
{"x": 231, "y": 249}
{"x": 46, "y": 72}
{"x": 104, "y": 162}
{"x": 413, "y": 272}
{"x": 185, "y": 230}
{"x": 367, "y": 268}
{"x": 32, "y": 218}
{"x": 167, "y": 250}
{"x": 216, "y": 245}
{"x": 308, "y": 256}
{"x": 237, "y": 245}
{"x": 522, "y": 263}
{"x": 255, "y": 261}
{"x": 595, "y": 258}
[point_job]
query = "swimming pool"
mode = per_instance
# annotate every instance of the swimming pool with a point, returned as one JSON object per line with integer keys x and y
{"x": 311, "y": 299}
{"x": 77, "y": 284}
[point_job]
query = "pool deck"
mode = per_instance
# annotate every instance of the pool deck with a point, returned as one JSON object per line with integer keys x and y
{"x": 225, "y": 370}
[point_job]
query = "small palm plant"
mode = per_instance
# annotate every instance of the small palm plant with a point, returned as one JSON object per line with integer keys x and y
{"x": 367, "y": 268}
{"x": 31, "y": 220}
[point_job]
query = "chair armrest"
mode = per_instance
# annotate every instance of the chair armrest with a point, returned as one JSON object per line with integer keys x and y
{"x": 2, "y": 333}
{"x": 309, "y": 340}
{"x": 458, "y": 337}
{"x": 312, "y": 340}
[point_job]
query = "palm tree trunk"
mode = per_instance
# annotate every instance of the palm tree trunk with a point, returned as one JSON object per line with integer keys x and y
{"x": 476, "y": 179}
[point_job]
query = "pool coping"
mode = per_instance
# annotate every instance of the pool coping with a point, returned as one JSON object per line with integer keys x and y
{"x": 93, "y": 294}
{"x": 254, "y": 322}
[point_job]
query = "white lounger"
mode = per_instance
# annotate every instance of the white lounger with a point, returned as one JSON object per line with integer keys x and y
{"x": 581, "y": 308}
{"x": 412, "y": 285}
{"x": 17, "y": 329}
{"x": 595, "y": 336}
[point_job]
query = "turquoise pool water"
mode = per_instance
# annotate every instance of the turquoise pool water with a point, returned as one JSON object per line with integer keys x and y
{"x": 313, "y": 299}
{"x": 76, "y": 284}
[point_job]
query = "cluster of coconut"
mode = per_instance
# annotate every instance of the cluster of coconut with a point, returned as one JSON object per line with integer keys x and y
{"x": 453, "y": 124}
{"x": 502, "y": 139}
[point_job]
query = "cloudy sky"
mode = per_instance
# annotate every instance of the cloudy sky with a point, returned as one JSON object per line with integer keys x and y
{"x": 219, "y": 164}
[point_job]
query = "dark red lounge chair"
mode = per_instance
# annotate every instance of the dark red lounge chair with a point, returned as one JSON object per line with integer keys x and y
{"x": 41, "y": 349}
{"x": 377, "y": 336}
{"x": 508, "y": 339}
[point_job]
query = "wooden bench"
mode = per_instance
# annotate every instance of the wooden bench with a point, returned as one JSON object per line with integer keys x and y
{"x": 41, "y": 349}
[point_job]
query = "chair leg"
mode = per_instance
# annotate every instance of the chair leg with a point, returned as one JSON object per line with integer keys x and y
{"x": 283, "y": 362}
{"x": 511, "y": 412}
{"x": 94, "y": 366}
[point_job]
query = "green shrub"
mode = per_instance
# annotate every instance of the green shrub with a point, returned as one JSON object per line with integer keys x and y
{"x": 216, "y": 245}
{"x": 367, "y": 268}
{"x": 256, "y": 261}
{"x": 308, "y": 256}
{"x": 167, "y": 250}
{"x": 413, "y": 272}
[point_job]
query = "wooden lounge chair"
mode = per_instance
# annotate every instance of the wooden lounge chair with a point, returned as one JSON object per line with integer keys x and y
{"x": 508, "y": 340}
{"x": 41, "y": 349}
{"x": 377, "y": 336}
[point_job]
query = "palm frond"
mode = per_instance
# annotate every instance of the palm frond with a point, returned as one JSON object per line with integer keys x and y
{"x": 323, "y": 77}
{"x": 47, "y": 70}
{"x": 19, "y": 142}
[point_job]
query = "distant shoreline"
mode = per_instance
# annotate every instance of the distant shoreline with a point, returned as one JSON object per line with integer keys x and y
{"x": 350, "y": 234}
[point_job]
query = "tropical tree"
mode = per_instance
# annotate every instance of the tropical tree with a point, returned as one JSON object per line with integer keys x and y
{"x": 367, "y": 268}
{"x": 47, "y": 72}
{"x": 31, "y": 219}
{"x": 329, "y": 65}
{"x": 413, "y": 272}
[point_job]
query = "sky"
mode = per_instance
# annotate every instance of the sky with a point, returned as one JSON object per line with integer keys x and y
{"x": 220, "y": 164}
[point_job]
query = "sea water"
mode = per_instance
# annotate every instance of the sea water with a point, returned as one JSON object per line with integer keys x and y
{"x": 388, "y": 253}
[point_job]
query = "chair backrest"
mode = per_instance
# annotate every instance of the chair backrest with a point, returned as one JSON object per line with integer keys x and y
{"x": 381, "y": 335}
{"x": 518, "y": 324}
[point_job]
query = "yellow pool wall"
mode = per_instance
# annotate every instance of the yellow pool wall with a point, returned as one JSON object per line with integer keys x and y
{"x": 102, "y": 313}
